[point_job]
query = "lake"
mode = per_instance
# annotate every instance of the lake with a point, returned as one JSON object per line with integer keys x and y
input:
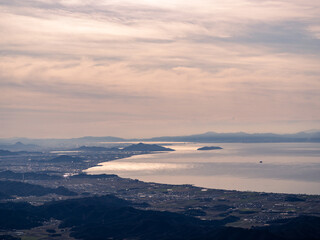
{"x": 262, "y": 167}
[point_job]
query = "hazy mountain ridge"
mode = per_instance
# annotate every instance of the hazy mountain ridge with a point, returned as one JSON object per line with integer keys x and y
{"x": 19, "y": 146}
{"x": 243, "y": 137}
{"x": 208, "y": 137}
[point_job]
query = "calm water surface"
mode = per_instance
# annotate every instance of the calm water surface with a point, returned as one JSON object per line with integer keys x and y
{"x": 285, "y": 167}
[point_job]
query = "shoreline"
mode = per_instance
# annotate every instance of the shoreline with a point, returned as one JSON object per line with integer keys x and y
{"x": 252, "y": 208}
{"x": 191, "y": 184}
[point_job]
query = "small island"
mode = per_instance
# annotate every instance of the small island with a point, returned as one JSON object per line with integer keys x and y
{"x": 209, "y": 148}
{"x": 146, "y": 147}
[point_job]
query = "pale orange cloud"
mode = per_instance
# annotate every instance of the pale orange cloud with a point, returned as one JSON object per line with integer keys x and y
{"x": 73, "y": 68}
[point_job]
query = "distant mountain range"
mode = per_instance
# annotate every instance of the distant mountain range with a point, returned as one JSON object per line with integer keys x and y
{"x": 23, "y": 144}
{"x": 213, "y": 137}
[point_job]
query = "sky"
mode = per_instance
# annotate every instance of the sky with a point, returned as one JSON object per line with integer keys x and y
{"x": 143, "y": 68}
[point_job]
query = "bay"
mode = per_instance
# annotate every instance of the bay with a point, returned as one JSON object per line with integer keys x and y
{"x": 263, "y": 167}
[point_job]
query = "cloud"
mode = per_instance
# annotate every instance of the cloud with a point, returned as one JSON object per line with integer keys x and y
{"x": 151, "y": 61}
{"x": 315, "y": 30}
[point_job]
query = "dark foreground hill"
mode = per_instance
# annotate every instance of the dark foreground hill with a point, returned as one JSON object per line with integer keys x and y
{"x": 13, "y": 188}
{"x": 109, "y": 217}
{"x": 295, "y": 228}
{"x": 27, "y": 176}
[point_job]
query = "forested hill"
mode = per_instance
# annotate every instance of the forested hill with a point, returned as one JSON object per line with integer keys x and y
{"x": 109, "y": 217}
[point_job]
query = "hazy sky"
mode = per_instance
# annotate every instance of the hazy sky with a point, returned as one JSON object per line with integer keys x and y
{"x": 138, "y": 68}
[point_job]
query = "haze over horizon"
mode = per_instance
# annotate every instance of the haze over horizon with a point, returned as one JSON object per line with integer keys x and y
{"x": 72, "y": 68}
{"x": 311, "y": 134}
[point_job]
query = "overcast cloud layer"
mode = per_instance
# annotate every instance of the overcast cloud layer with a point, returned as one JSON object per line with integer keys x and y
{"x": 148, "y": 68}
